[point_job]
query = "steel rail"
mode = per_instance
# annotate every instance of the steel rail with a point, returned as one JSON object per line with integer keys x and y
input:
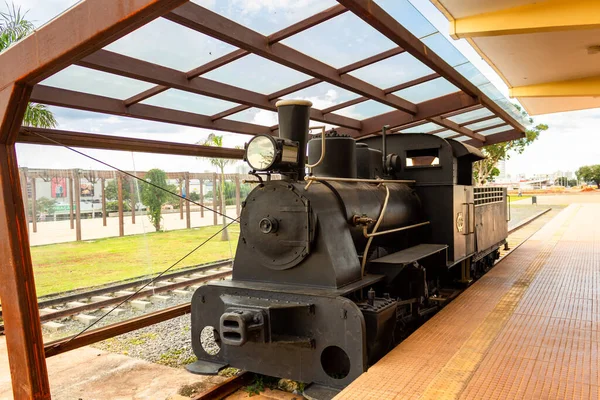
{"x": 226, "y": 387}
{"x": 128, "y": 284}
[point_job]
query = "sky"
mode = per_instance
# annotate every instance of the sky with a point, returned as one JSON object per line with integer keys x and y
{"x": 570, "y": 142}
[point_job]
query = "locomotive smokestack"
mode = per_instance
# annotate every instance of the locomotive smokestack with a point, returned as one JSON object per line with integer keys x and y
{"x": 294, "y": 118}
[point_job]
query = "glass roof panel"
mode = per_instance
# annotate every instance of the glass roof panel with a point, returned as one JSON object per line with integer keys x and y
{"x": 427, "y": 127}
{"x": 427, "y": 91}
{"x": 340, "y": 41}
{"x": 266, "y": 17}
{"x": 470, "y": 71}
{"x": 171, "y": 45}
{"x": 496, "y": 130}
{"x": 408, "y": 16}
{"x": 366, "y": 109}
{"x": 257, "y": 74}
{"x": 470, "y": 115}
{"x": 184, "y": 101}
{"x": 446, "y": 134}
{"x": 87, "y": 80}
{"x": 443, "y": 48}
{"x": 393, "y": 71}
{"x": 323, "y": 95}
{"x": 483, "y": 124}
{"x": 462, "y": 138}
{"x": 255, "y": 116}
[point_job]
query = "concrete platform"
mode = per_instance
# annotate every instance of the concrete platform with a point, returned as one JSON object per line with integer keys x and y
{"x": 529, "y": 329}
{"x": 92, "y": 374}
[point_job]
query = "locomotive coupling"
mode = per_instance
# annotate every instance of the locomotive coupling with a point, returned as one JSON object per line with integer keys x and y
{"x": 238, "y": 326}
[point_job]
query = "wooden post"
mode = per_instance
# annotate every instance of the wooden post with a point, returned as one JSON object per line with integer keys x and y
{"x": 238, "y": 205}
{"x": 201, "y": 198}
{"x": 77, "y": 180}
{"x": 188, "y": 210}
{"x": 33, "y": 205}
{"x": 24, "y": 342}
{"x": 180, "y": 199}
{"x": 132, "y": 197}
{"x": 120, "y": 203}
{"x": 215, "y": 199}
{"x": 71, "y": 202}
{"x": 103, "y": 183}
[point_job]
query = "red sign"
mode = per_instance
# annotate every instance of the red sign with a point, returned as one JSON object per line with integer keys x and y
{"x": 59, "y": 187}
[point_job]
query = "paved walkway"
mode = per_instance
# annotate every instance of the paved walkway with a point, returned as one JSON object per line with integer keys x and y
{"x": 529, "y": 329}
{"x": 92, "y": 374}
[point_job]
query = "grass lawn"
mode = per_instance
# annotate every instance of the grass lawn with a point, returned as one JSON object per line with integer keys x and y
{"x": 76, "y": 265}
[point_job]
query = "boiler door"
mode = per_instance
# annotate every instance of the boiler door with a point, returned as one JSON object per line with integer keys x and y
{"x": 277, "y": 224}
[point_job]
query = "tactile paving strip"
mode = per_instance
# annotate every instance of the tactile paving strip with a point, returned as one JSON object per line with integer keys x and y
{"x": 528, "y": 329}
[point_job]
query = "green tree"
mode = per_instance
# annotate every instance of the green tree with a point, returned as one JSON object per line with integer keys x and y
{"x": 45, "y": 205}
{"x": 220, "y": 163}
{"x": 589, "y": 173}
{"x": 154, "y": 197}
{"x": 485, "y": 170}
{"x": 14, "y": 27}
{"x": 194, "y": 197}
{"x": 112, "y": 194}
{"x": 573, "y": 182}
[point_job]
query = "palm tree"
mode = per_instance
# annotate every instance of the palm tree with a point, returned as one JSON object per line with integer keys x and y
{"x": 220, "y": 163}
{"x": 14, "y": 27}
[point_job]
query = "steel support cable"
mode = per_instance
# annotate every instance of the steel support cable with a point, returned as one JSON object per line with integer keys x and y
{"x": 233, "y": 220}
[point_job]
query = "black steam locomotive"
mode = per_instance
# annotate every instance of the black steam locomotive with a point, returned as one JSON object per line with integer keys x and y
{"x": 334, "y": 267}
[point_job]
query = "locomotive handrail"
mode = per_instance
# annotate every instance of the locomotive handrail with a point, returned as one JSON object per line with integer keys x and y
{"x": 370, "y": 235}
{"x": 378, "y": 181}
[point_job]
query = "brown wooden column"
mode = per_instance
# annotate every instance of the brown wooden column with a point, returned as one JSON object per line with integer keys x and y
{"x": 132, "y": 199}
{"x": 71, "y": 202}
{"x": 180, "y": 199}
{"x": 238, "y": 205}
{"x": 215, "y": 200}
{"x": 188, "y": 211}
{"x": 33, "y": 205}
{"x": 103, "y": 183}
{"x": 120, "y": 203}
{"x": 19, "y": 301}
{"x": 202, "y": 198}
{"x": 77, "y": 180}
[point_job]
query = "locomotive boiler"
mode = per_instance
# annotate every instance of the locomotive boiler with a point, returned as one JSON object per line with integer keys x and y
{"x": 333, "y": 266}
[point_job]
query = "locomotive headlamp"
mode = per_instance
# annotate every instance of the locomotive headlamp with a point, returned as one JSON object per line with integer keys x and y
{"x": 266, "y": 153}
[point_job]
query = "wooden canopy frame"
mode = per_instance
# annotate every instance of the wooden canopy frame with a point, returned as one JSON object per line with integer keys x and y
{"x": 78, "y": 37}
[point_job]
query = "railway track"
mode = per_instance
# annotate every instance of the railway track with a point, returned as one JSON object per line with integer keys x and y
{"x": 80, "y": 306}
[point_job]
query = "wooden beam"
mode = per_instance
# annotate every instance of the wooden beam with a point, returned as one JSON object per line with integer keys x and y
{"x": 96, "y": 335}
{"x": 106, "y": 142}
{"x": 495, "y": 138}
{"x": 475, "y": 121}
{"x": 19, "y": 301}
{"x": 412, "y": 83}
{"x": 89, "y": 102}
{"x": 427, "y": 109}
{"x": 132, "y": 200}
{"x": 453, "y": 126}
{"x": 71, "y": 201}
{"x": 205, "y": 21}
{"x": 375, "y": 16}
{"x": 118, "y": 64}
{"x": 498, "y": 125}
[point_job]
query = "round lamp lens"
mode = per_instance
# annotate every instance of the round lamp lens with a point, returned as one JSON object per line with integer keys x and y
{"x": 260, "y": 153}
